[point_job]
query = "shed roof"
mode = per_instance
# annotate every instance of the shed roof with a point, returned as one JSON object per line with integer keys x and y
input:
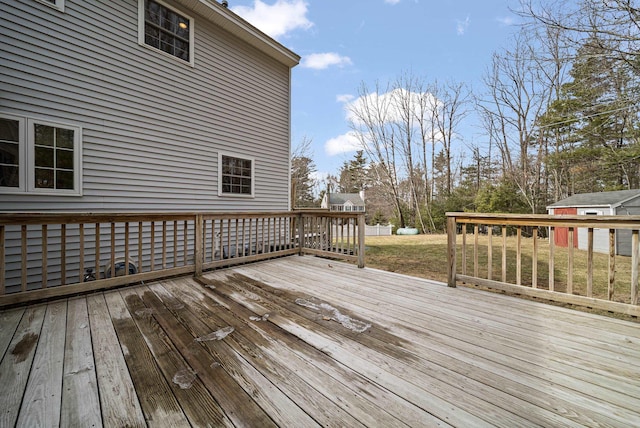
{"x": 342, "y": 198}
{"x": 598, "y": 199}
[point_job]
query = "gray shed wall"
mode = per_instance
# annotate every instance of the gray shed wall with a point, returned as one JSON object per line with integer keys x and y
{"x": 623, "y": 237}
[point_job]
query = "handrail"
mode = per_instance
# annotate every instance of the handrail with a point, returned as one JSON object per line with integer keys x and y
{"x": 46, "y": 255}
{"x": 613, "y": 235}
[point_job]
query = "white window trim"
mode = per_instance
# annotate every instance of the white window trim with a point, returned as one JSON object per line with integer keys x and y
{"x": 77, "y": 159}
{"x": 22, "y": 156}
{"x": 253, "y": 175}
{"x": 59, "y": 4}
{"x": 141, "y": 37}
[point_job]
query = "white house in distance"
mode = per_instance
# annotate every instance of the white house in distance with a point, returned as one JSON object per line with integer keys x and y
{"x": 621, "y": 202}
{"x": 141, "y": 105}
{"x": 344, "y": 202}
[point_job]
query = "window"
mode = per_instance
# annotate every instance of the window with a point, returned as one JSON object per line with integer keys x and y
{"x": 165, "y": 29}
{"x": 39, "y": 156}
{"x": 235, "y": 176}
{"x": 52, "y": 149}
{"x": 11, "y": 153}
{"x": 58, "y": 4}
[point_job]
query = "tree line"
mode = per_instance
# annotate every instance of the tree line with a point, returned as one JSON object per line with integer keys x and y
{"x": 559, "y": 113}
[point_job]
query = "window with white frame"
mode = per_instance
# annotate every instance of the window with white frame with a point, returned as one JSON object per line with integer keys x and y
{"x": 163, "y": 28}
{"x": 11, "y": 153}
{"x": 58, "y": 4}
{"x": 39, "y": 156}
{"x": 235, "y": 175}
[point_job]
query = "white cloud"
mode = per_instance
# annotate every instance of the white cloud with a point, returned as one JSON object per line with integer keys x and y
{"x": 344, "y": 143}
{"x": 461, "y": 26}
{"x": 344, "y": 98}
{"x": 392, "y": 1}
{"x": 507, "y": 21}
{"x": 277, "y": 19}
{"x": 320, "y": 61}
{"x": 390, "y": 106}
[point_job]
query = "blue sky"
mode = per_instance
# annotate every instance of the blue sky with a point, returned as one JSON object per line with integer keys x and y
{"x": 344, "y": 43}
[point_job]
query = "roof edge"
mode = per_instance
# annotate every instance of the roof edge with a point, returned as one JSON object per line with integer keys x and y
{"x": 550, "y": 207}
{"x": 228, "y": 20}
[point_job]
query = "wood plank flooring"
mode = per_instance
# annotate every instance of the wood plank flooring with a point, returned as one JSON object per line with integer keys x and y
{"x": 306, "y": 342}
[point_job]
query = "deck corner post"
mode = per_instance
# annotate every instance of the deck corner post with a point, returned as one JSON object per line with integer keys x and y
{"x": 198, "y": 253}
{"x": 451, "y": 250}
{"x": 361, "y": 234}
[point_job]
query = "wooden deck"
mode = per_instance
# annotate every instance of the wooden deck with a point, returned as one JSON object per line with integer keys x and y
{"x": 302, "y": 342}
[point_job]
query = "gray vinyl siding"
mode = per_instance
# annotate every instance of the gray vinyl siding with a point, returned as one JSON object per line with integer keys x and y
{"x": 624, "y": 237}
{"x": 152, "y": 126}
{"x": 601, "y": 236}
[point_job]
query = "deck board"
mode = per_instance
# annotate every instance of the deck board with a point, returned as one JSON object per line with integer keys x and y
{"x": 159, "y": 405}
{"x": 230, "y": 355}
{"x": 16, "y": 363}
{"x": 314, "y": 343}
{"x": 9, "y": 321}
{"x": 119, "y": 402}
{"x": 80, "y": 398}
{"x": 236, "y": 403}
{"x": 43, "y": 395}
{"x": 471, "y": 339}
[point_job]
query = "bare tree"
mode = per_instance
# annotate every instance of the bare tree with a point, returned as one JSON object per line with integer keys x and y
{"x": 371, "y": 125}
{"x": 406, "y": 100}
{"x": 517, "y": 95}
{"x": 453, "y": 102}
{"x": 608, "y": 23}
{"x": 302, "y": 180}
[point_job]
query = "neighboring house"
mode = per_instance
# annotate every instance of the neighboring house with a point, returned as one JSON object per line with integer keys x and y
{"x": 344, "y": 202}
{"x": 622, "y": 202}
{"x": 141, "y": 105}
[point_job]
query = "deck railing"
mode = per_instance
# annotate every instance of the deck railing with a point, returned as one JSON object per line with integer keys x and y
{"x": 539, "y": 256}
{"x": 58, "y": 254}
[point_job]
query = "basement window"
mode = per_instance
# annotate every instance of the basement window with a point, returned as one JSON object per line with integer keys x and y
{"x": 165, "y": 29}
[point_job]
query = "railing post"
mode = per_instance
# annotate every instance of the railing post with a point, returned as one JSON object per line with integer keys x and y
{"x": 361, "y": 233}
{"x": 451, "y": 249}
{"x": 301, "y": 234}
{"x": 635, "y": 264}
{"x": 198, "y": 253}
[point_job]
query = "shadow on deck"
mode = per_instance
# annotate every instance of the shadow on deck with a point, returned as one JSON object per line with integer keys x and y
{"x": 303, "y": 341}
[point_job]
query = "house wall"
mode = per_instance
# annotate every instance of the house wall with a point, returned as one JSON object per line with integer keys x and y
{"x": 152, "y": 126}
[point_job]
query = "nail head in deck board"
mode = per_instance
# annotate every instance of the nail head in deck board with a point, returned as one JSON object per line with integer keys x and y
{"x": 118, "y": 399}
{"x": 197, "y": 403}
{"x": 236, "y": 359}
{"x": 237, "y": 404}
{"x": 80, "y": 401}
{"x": 158, "y": 403}
{"x": 16, "y": 363}
{"x": 42, "y": 398}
